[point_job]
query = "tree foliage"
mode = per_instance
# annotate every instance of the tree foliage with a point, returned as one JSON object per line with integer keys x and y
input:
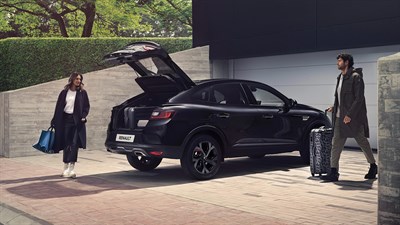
{"x": 85, "y": 18}
{"x": 169, "y": 17}
{"x": 46, "y": 18}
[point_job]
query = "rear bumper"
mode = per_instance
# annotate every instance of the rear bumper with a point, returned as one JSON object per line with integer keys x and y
{"x": 162, "y": 151}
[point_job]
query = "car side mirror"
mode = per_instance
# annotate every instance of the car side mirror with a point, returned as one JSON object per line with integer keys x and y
{"x": 289, "y": 105}
{"x": 292, "y": 103}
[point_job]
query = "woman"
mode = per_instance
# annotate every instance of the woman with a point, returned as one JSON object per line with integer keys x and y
{"x": 69, "y": 121}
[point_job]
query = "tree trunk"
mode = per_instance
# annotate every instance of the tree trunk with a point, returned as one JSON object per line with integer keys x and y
{"x": 61, "y": 24}
{"x": 90, "y": 11}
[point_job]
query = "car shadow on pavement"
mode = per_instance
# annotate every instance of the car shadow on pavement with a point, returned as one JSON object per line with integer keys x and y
{"x": 246, "y": 166}
{"x": 48, "y": 187}
{"x": 55, "y": 186}
{"x": 174, "y": 175}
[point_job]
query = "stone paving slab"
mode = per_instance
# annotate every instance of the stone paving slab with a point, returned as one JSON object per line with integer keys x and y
{"x": 277, "y": 189}
{"x": 12, "y": 216}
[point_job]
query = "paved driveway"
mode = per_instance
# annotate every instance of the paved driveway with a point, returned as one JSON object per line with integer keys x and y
{"x": 277, "y": 189}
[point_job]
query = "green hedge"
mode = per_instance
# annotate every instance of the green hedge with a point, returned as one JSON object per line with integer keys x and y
{"x": 29, "y": 61}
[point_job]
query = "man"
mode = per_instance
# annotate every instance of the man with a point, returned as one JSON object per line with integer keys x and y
{"x": 350, "y": 113}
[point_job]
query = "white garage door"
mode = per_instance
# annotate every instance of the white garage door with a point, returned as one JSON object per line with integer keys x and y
{"x": 310, "y": 78}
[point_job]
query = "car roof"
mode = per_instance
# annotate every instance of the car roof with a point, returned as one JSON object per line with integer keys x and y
{"x": 224, "y": 80}
{"x": 210, "y": 82}
{"x": 204, "y": 84}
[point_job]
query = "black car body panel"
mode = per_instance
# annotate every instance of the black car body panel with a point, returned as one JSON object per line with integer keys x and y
{"x": 243, "y": 118}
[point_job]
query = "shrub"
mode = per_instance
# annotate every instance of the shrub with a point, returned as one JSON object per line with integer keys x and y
{"x": 29, "y": 61}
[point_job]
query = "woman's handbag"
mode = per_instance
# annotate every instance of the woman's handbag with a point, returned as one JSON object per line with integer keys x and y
{"x": 46, "y": 141}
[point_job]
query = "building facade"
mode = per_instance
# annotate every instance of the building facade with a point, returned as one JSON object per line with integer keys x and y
{"x": 292, "y": 44}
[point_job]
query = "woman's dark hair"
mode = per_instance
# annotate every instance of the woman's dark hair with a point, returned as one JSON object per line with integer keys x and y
{"x": 71, "y": 79}
{"x": 346, "y": 57}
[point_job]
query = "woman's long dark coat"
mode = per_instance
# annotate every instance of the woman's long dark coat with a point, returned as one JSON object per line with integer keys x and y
{"x": 81, "y": 110}
{"x": 352, "y": 103}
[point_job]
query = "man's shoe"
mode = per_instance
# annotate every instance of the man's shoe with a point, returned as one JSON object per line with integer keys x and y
{"x": 373, "y": 170}
{"x": 332, "y": 176}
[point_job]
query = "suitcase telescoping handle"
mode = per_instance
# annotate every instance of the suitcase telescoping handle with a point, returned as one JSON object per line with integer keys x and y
{"x": 326, "y": 114}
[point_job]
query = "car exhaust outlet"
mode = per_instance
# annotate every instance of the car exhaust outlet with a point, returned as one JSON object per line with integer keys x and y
{"x": 139, "y": 153}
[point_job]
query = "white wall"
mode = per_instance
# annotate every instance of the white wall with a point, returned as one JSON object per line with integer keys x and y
{"x": 310, "y": 78}
{"x": 25, "y": 112}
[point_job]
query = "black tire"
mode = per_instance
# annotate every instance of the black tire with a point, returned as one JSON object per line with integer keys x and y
{"x": 143, "y": 163}
{"x": 257, "y": 156}
{"x": 305, "y": 150}
{"x": 202, "y": 157}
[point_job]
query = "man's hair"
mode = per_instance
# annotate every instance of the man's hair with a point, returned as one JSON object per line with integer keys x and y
{"x": 346, "y": 57}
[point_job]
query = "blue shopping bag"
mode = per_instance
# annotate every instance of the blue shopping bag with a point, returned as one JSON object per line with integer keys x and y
{"x": 46, "y": 141}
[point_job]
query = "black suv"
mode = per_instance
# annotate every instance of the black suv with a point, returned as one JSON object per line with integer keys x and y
{"x": 201, "y": 123}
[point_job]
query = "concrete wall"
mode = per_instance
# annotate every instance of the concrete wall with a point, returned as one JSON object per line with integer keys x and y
{"x": 310, "y": 78}
{"x": 25, "y": 112}
{"x": 389, "y": 140}
{"x": 3, "y": 124}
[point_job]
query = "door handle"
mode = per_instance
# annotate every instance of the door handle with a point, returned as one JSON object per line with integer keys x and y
{"x": 267, "y": 116}
{"x": 303, "y": 117}
{"x": 223, "y": 115}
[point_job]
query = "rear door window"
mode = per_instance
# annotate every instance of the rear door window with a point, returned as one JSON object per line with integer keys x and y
{"x": 223, "y": 94}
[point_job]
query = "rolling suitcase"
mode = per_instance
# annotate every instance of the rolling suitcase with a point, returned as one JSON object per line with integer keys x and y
{"x": 320, "y": 150}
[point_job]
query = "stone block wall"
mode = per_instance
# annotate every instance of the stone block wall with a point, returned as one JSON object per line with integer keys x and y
{"x": 25, "y": 112}
{"x": 389, "y": 140}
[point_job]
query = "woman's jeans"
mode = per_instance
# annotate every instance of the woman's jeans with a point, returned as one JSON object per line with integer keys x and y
{"x": 71, "y": 139}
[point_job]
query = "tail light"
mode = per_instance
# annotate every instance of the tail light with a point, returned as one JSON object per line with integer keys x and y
{"x": 163, "y": 114}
